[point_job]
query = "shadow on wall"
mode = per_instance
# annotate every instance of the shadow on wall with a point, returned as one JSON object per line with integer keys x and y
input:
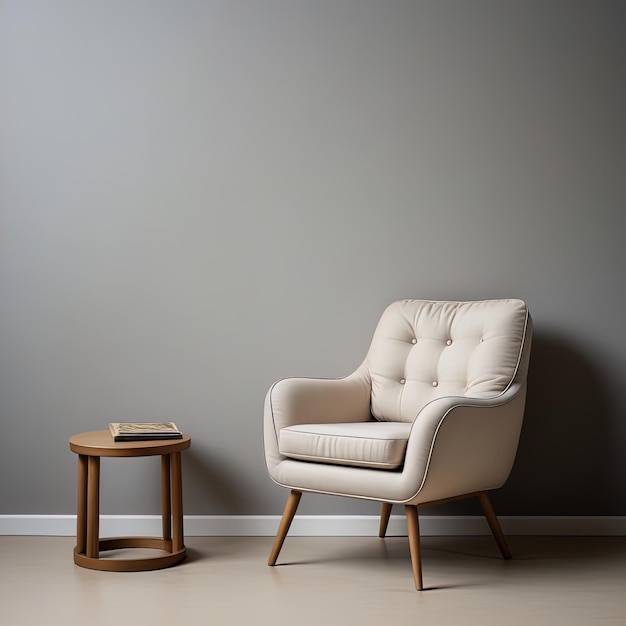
{"x": 563, "y": 461}
{"x": 210, "y": 484}
{"x": 214, "y": 483}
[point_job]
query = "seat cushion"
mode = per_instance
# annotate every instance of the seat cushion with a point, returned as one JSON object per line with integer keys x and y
{"x": 379, "y": 445}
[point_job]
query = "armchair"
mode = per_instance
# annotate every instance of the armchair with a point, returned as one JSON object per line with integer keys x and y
{"x": 433, "y": 414}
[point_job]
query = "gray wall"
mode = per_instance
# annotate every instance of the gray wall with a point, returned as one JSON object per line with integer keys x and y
{"x": 199, "y": 198}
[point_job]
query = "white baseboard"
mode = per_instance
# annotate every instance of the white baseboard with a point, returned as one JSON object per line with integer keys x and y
{"x": 315, "y": 525}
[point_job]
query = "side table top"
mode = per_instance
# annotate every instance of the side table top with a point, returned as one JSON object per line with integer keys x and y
{"x": 101, "y": 443}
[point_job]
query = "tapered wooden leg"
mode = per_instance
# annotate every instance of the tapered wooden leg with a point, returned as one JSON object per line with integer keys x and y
{"x": 413, "y": 527}
{"x": 285, "y": 523}
{"x": 494, "y": 524}
{"x": 384, "y": 519}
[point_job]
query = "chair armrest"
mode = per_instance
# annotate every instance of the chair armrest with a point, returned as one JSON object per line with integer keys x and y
{"x": 462, "y": 445}
{"x": 313, "y": 401}
{"x": 318, "y": 401}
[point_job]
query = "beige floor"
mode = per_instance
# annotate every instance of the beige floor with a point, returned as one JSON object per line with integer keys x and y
{"x": 323, "y": 581}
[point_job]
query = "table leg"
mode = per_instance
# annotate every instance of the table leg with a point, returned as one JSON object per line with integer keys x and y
{"x": 177, "y": 503}
{"x": 81, "y": 517}
{"x": 166, "y": 497}
{"x": 93, "y": 507}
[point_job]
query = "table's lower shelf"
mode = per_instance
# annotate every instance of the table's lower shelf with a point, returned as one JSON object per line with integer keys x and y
{"x": 132, "y": 565}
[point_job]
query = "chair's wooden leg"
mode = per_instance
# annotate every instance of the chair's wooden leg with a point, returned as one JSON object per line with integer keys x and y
{"x": 412, "y": 522}
{"x": 384, "y": 519}
{"x": 494, "y": 524}
{"x": 285, "y": 523}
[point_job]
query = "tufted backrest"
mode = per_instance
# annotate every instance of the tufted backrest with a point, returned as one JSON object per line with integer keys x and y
{"x": 423, "y": 350}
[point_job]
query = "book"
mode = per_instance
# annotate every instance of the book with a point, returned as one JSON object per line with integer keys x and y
{"x": 144, "y": 431}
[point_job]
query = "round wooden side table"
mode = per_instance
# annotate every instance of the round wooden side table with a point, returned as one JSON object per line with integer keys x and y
{"x": 90, "y": 447}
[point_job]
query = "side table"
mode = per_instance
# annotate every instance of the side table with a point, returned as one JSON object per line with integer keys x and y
{"x": 90, "y": 447}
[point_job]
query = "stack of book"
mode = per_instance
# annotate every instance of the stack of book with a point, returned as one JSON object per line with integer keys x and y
{"x": 144, "y": 431}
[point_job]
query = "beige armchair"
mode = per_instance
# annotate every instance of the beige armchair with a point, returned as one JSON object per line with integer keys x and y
{"x": 433, "y": 414}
